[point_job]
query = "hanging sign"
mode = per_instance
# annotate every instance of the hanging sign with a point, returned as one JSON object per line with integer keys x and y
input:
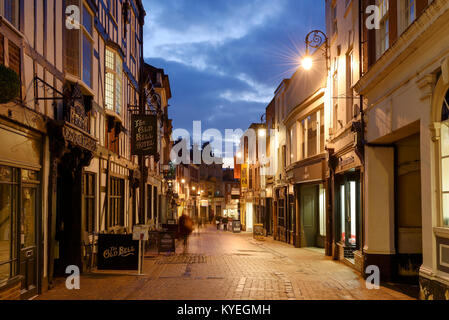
{"x": 144, "y": 135}
{"x": 117, "y": 252}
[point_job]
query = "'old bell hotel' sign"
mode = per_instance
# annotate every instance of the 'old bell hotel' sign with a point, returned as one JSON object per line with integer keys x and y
{"x": 144, "y": 135}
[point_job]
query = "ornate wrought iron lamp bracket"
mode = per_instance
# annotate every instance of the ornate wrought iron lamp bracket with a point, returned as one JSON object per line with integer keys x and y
{"x": 315, "y": 39}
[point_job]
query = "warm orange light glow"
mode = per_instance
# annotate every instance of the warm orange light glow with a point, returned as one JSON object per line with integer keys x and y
{"x": 307, "y": 63}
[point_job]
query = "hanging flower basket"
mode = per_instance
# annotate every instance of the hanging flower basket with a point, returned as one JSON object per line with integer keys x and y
{"x": 9, "y": 84}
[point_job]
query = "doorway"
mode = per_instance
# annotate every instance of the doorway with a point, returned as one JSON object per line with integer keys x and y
{"x": 20, "y": 238}
{"x": 28, "y": 238}
{"x": 349, "y": 204}
{"x": 68, "y": 217}
{"x": 309, "y": 215}
{"x": 408, "y": 209}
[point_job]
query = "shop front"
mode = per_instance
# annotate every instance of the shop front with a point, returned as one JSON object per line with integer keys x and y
{"x": 282, "y": 217}
{"x": 21, "y": 229}
{"x": 72, "y": 148}
{"x": 307, "y": 177}
{"x": 348, "y": 209}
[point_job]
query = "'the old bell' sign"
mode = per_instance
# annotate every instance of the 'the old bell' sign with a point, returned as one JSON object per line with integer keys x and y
{"x": 144, "y": 135}
{"x": 117, "y": 252}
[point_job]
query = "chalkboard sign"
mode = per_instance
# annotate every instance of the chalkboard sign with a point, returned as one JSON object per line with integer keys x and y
{"x": 258, "y": 231}
{"x": 166, "y": 242}
{"x": 236, "y": 226}
{"x": 144, "y": 135}
{"x": 117, "y": 252}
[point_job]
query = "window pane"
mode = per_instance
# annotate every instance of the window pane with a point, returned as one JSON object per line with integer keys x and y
{"x": 72, "y": 52}
{"x": 342, "y": 212}
{"x": 445, "y": 139}
{"x": 312, "y": 135}
{"x": 446, "y": 209}
{"x": 5, "y": 174}
{"x": 5, "y": 224}
{"x": 87, "y": 20}
{"x": 445, "y": 174}
{"x": 87, "y": 61}
{"x": 352, "y": 239}
{"x": 110, "y": 59}
{"x": 109, "y": 91}
{"x": 322, "y": 148}
{"x": 28, "y": 219}
{"x": 11, "y": 12}
{"x": 322, "y": 203}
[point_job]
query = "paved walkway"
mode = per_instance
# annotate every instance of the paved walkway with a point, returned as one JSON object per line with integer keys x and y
{"x": 224, "y": 266}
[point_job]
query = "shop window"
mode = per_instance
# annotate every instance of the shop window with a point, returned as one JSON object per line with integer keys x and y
{"x": 79, "y": 46}
{"x": 155, "y": 203}
{"x": 10, "y": 10}
{"x": 89, "y": 202}
{"x": 445, "y": 161}
{"x": 149, "y": 202}
{"x": 113, "y": 85}
{"x": 322, "y": 208}
{"x": 116, "y": 217}
{"x": 8, "y": 223}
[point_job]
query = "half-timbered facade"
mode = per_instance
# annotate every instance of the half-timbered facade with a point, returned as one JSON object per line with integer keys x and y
{"x": 66, "y": 171}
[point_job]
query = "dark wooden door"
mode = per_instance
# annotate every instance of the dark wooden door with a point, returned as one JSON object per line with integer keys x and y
{"x": 309, "y": 215}
{"x": 28, "y": 242}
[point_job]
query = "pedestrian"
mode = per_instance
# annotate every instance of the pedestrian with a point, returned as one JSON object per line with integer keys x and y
{"x": 217, "y": 222}
{"x": 185, "y": 229}
{"x": 225, "y": 224}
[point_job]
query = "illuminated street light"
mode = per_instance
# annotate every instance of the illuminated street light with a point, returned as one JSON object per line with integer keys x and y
{"x": 239, "y": 155}
{"x": 183, "y": 181}
{"x": 193, "y": 188}
{"x": 307, "y": 63}
{"x": 262, "y": 133}
{"x": 315, "y": 39}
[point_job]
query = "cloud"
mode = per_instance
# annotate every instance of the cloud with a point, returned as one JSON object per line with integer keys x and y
{"x": 225, "y": 58}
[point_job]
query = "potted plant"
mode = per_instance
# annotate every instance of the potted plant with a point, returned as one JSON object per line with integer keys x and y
{"x": 9, "y": 84}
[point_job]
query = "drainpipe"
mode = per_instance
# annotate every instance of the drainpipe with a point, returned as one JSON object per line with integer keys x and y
{"x": 362, "y": 120}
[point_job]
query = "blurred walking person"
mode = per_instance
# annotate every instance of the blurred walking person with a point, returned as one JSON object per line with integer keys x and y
{"x": 185, "y": 229}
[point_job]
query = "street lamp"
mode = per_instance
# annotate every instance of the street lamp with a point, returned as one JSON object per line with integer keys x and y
{"x": 315, "y": 39}
{"x": 307, "y": 63}
{"x": 183, "y": 181}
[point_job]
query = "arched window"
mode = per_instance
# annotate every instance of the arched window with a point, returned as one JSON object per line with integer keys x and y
{"x": 445, "y": 159}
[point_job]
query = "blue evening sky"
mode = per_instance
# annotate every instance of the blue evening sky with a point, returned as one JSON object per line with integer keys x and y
{"x": 225, "y": 58}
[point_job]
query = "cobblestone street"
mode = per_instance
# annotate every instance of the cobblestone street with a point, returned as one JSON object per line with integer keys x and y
{"x": 224, "y": 266}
